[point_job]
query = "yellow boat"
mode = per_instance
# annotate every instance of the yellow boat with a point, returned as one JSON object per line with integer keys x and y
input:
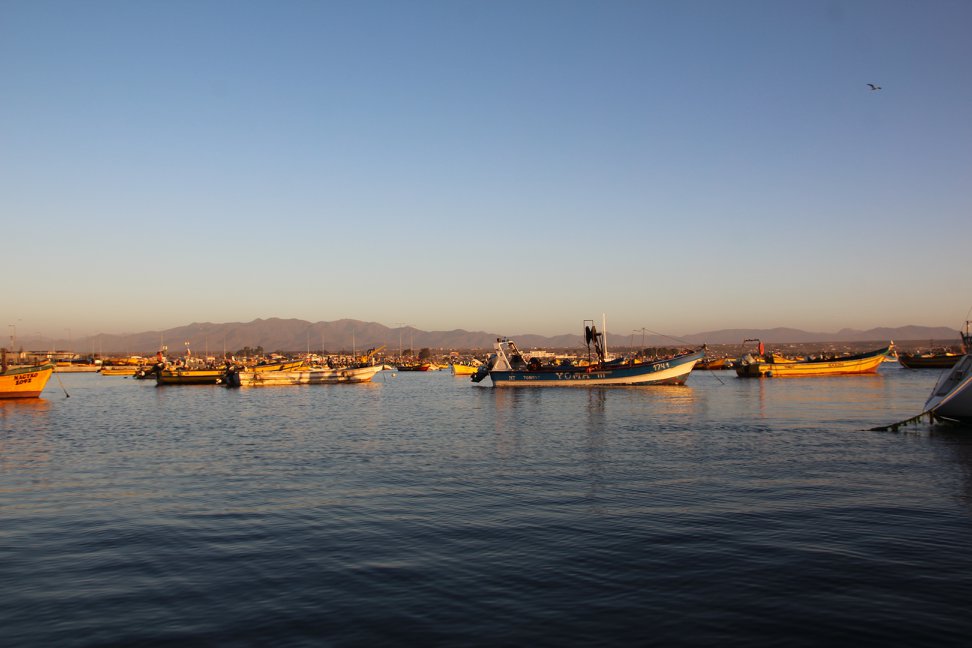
{"x": 758, "y": 366}
{"x": 290, "y": 365}
{"x": 715, "y": 364}
{"x": 463, "y": 370}
{"x": 23, "y": 382}
{"x": 66, "y": 366}
{"x": 119, "y": 370}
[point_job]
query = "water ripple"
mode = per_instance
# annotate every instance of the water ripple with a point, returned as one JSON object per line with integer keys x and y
{"x": 421, "y": 509}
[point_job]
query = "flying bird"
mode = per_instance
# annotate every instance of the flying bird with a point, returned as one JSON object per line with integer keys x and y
{"x": 874, "y": 87}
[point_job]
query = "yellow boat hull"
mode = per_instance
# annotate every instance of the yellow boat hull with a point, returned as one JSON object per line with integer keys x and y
{"x": 864, "y": 363}
{"x": 121, "y": 370}
{"x": 463, "y": 370}
{"x": 25, "y": 382}
{"x": 292, "y": 365}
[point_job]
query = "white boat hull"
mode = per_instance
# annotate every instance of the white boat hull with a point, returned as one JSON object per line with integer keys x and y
{"x": 306, "y": 377}
{"x": 673, "y": 371}
{"x": 952, "y": 396}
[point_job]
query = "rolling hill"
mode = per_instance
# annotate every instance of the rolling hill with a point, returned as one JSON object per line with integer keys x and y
{"x": 294, "y": 335}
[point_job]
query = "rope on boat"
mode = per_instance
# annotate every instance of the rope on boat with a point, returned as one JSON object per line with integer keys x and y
{"x": 913, "y": 420}
{"x": 715, "y": 376}
{"x": 670, "y": 337}
{"x": 705, "y": 348}
{"x": 687, "y": 343}
{"x": 66, "y": 395}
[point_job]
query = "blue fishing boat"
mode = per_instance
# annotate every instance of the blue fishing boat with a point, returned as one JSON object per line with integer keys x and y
{"x": 507, "y": 367}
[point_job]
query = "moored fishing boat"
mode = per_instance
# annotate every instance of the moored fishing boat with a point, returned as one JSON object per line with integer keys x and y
{"x": 287, "y": 365}
{"x": 179, "y": 376}
{"x": 951, "y": 399}
{"x": 23, "y": 382}
{"x": 415, "y": 366}
{"x": 234, "y": 377}
{"x": 76, "y": 367}
{"x": 942, "y": 360}
{"x": 119, "y": 370}
{"x": 716, "y": 364}
{"x": 772, "y": 365}
{"x": 508, "y": 368}
{"x": 462, "y": 369}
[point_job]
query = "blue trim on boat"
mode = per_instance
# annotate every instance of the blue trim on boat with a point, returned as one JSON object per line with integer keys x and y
{"x": 608, "y": 374}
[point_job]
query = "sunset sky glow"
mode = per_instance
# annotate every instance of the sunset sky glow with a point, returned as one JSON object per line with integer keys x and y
{"x": 501, "y": 166}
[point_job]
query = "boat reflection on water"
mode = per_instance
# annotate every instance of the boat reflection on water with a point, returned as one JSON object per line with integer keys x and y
{"x": 39, "y": 407}
{"x": 24, "y": 445}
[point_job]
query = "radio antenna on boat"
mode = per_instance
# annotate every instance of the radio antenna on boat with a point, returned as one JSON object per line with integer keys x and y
{"x": 591, "y": 334}
{"x": 604, "y": 334}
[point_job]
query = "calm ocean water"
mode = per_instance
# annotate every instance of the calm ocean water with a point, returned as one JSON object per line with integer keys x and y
{"x": 422, "y": 509}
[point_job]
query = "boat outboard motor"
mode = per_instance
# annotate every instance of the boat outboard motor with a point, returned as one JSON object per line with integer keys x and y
{"x": 231, "y": 375}
{"x": 484, "y": 369}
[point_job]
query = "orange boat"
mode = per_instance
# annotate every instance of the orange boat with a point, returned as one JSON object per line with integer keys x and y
{"x": 716, "y": 364}
{"x": 23, "y": 382}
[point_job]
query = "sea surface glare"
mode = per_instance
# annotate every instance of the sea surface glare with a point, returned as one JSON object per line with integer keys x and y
{"x": 421, "y": 509}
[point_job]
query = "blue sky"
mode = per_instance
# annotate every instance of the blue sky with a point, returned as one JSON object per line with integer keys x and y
{"x": 502, "y": 166}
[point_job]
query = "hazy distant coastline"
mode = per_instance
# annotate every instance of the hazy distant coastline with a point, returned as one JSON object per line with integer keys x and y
{"x": 294, "y": 335}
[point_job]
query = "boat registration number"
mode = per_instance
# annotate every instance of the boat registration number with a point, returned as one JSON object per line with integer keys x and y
{"x": 579, "y": 376}
{"x": 24, "y": 379}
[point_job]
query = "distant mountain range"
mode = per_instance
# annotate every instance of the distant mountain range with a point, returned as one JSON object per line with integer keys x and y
{"x": 294, "y": 335}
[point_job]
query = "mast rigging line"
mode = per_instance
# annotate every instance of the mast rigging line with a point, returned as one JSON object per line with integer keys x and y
{"x": 665, "y": 335}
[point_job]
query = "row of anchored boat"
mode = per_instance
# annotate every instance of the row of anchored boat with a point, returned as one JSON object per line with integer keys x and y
{"x": 272, "y": 374}
{"x": 507, "y": 366}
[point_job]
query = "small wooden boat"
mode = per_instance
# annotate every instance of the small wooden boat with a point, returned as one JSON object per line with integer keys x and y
{"x": 307, "y": 376}
{"x": 508, "y": 368}
{"x": 716, "y": 364}
{"x": 951, "y": 399}
{"x": 288, "y": 365}
{"x": 415, "y": 366}
{"x": 771, "y": 365}
{"x": 76, "y": 367}
{"x": 942, "y": 360}
{"x": 23, "y": 382}
{"x": 119, "y": 370}
{"x": 462, "y": 369}
{"x": 176, "y": 376}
